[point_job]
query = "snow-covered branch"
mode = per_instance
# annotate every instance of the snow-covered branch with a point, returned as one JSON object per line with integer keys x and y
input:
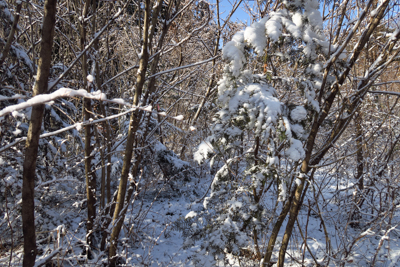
{"x": 43, "y": 260}
{"x": 17, "y": 96}
{"x": 44, "y": 98}
{"x": 70, "y": 92}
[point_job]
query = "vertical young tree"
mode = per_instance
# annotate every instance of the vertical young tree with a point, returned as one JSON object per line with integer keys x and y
{"x": 261, "y": 120}
{"x": 151, "y": 19}
{"x": 32, "y": 142}
{"x": 87, "y": 114}
{"x": 282, "y": 83}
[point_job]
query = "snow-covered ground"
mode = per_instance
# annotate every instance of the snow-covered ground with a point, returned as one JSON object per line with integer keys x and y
{"x": 150, "y": 236}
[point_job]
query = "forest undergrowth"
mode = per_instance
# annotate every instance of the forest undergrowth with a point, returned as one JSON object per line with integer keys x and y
{"x": 164, "y": 133}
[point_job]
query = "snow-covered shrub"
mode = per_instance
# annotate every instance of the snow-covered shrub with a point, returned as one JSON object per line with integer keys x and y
{"x": 170, "y": 164}
{"x": 261, "y": 123}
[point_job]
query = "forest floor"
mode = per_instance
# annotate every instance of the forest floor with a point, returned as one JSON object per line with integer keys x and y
{"x": 150, "y": 238}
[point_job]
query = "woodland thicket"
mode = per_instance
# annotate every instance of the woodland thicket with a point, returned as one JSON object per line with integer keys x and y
{"x": 107, "y": 104}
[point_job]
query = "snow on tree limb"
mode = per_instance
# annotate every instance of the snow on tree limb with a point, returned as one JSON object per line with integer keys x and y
{"x": 41, "y": 99}
{"x": 44, "y": 98}
{"x": 17, "y": 96}
{"x": 45, "y": 259}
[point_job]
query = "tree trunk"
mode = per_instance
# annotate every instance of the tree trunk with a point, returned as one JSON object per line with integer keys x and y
{"x": 87, "y": 109}
{"x": 355, "y": 216}
{"x": 338, "y": 127}
{"x": 120, "y": 208}
{"x": 11, "y": 35}
{"x": 133, "y": 126}
{"x": 32, "y": 142}
{"x": 275, "y": 232}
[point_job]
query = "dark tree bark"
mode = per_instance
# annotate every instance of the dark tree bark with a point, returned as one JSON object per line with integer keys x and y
{"x": 11, "y": 35}
{"x": 32, "y": 143}
{"x": 87, "y": 111}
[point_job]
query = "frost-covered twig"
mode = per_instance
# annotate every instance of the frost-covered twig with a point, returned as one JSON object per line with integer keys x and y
{"x": 383, "y": 238}
{"x": 96, "y": 36}
{"x": 182, "y": 67}
{"x": 385, "y": 92}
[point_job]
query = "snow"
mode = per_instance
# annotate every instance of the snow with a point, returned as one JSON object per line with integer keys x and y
{"x": 160, "y": 243}
{"x": 233, "y": 51}
{"x": 43, "y": 98}
{"x": 258, "y": 102}
{"x": 90, "y": 78}
{"x": 312, "y": 13}
{"x": 164, "y": 221}
{"x": 202, "y": 152}
{"x": 282, "y": 191}
{"x": 119, "y": 101}
{"x": 17, "y": 131}
{"x": 294, "y": 29}
{"x": 393, "y": 36}
{"x": 255, "y": 35}
{"x": 148, "y": 108}
{"x": 295, "y": 152}
{"x": 297, "y": 129}
{"x": 274, "y": 25}
{"x": 178, "y": 118}
{"x": 298, "y": 114}
{"x": 378, "y": 6}
{"x": 191, "y": 214}
{"x": 78, "y": 126}
{"x": 169, "y": 159}
{"x": 297, "y": 19}
{"x": 20, "y": 53}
